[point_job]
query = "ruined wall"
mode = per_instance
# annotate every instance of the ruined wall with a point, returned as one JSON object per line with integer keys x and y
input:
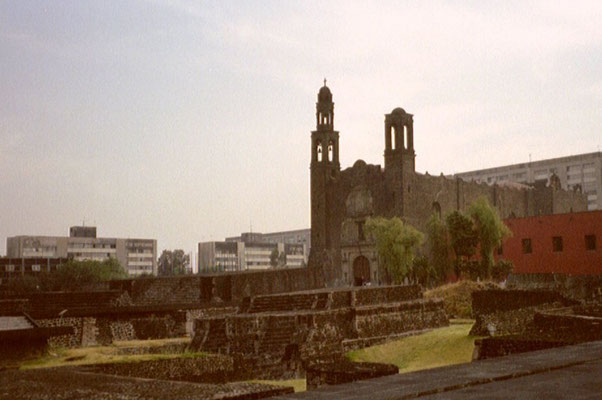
{"x": 510, "y": 311}
{"x": 105, "y": 329}
{"x": 212, "y": 368}
{"x": 162, "y": 290}
{"x": 282, "y": 333}
{"x": 345, "y": 371}
{"x": 578, "y": 287}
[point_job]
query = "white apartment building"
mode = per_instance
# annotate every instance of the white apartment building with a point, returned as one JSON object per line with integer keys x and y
{"x": 230, "y": 256}
{"x": 584, "y": 170}
{"x": 136, "y": 256}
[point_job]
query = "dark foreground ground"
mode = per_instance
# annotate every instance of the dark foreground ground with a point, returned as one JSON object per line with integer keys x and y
{"x": 572, "y": 372}
{"x": 68, "y": 383}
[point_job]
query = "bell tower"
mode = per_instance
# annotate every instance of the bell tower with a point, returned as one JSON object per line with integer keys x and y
{"x": 325, "y": 168}
{"x": 399, "y": 141}
{"x": 399, "y": 158}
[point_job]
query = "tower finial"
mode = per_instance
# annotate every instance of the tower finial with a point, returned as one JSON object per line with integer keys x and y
{"x": 324, "y": 81}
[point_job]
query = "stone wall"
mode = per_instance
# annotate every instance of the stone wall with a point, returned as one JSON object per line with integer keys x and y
{"x": 578, "y": 287}
{"x": 547, "y": 329}
{"x": 504, "y": 312}
{"x": 105, "y": 329}
{"x": 345, "y": 371}
{"x": 284, "y": 338}
{"x": 229, "y": 288}
{"x": 212, "y": 368}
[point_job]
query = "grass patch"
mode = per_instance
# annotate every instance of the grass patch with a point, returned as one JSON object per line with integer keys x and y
{"x": 106, "y": 354}
{"x": 298, "y": 384}
{"x": 437, "y": 348}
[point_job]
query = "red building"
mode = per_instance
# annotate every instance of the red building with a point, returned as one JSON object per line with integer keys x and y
{"x": 560, "y": 243}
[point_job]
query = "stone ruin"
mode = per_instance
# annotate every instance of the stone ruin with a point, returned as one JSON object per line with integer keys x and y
{"x": 280, "y": 336}
{"x": 523, "y": 320}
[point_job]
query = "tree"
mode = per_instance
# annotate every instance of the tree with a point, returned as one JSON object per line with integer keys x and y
{"x": 438, "y": 248}
{"x": 173, "y": 263}
{"x": 396, "y": 244}
{"x": 282, "y": 259}
{"x": 462, "y": 236}
{"x": 490, "y": 231}
{"x": 76, "y": 275}
{"x": 72, "y": 276}
{"x": 274, "y": 258}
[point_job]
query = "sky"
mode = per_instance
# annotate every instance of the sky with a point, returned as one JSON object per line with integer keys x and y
{"x": 190, "y": 121}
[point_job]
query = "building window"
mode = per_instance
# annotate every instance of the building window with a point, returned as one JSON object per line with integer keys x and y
{"x": 557, "y": 243}
{"x": 36, "y": 268}
{"x": 527, "y": 249}
{"x": 10, "y": 268}
{"x": 590, "y": 242}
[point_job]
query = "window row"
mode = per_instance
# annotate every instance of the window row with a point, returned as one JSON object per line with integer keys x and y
{"x": 558, "y": 244}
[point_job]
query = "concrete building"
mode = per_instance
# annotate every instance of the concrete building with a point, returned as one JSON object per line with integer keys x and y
{"x": 297, "y": 236}
{"x": 247, "y": 254}
{"x": 136, "y": 256}
{"x": 15, "y": 267}
{"x": 582, "y": 170}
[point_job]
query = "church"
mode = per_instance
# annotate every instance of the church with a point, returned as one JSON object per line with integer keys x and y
{"x": 342, "y": 200}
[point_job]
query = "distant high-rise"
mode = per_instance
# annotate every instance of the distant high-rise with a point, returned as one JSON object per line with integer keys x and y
{"x": 136, "y": 256}
{"x": 584, "y": 170}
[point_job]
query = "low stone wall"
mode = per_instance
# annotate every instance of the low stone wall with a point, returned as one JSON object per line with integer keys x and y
{"x": 345, "y": 371}
{"x": 386, "y": 294}
{"x": 161, "y": 290}
{"x": 493, "y": 347}
{"x": 548, "y": 328}
{"x": 206, "y": 369}
{"x": 578, "y": 287}
{"x": 104, "y": 330}
{"x": 281, "y": 344}
{"x": 392, "y": 319}
{"x": 218, "y": 288}
{"x": 505, "y": 312}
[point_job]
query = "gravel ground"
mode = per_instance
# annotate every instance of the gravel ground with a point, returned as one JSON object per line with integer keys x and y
{"x": 69, "y": 383}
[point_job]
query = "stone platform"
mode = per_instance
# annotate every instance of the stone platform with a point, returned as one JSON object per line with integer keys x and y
{"x": 279, "y": 335}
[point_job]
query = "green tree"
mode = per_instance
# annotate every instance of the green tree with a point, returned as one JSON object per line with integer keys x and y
{"x": 282, "y": 259}
{"x": 462, "y": 237}
{"x": 396, "y": 244}
{"x": 77, "y": 275}
{"x": 438, "y": 248}
{"x": 490, "y": 231}
{"x": 274, "y": 258}
{"x": 173, "y": 263}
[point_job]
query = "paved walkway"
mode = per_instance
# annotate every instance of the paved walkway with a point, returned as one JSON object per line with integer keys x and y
{"x": 572, "y": 372}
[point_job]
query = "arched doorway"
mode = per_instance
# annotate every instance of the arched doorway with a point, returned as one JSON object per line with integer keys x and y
{"x": 361, "y": 271}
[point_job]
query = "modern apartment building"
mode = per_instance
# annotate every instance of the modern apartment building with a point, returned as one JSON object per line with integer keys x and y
{"x": 137, "y": 256}
{"x": 15, "y": 267}
{"x": 297, "y": 236}
{"x": 247, "y": 255}
{"x": 584, "y": 170}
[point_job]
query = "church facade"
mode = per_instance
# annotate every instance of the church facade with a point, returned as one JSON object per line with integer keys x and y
{"x": 342, "y": 200}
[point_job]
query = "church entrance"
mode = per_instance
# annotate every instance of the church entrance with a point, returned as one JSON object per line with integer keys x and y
{"x": 361, "y": 271}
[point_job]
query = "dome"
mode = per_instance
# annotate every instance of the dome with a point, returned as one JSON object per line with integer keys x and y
{"x": 324, "y": 95}
{"x": 398, "y": 110}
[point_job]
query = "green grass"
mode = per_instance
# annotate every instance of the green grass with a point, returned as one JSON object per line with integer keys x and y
{"x": 297, "y": 384}
{"x": 106, "y": 354}
{"x": 437, "y": 348}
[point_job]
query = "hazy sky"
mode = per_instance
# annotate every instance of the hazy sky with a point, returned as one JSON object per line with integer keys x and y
{"x": 188, "y": 121}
